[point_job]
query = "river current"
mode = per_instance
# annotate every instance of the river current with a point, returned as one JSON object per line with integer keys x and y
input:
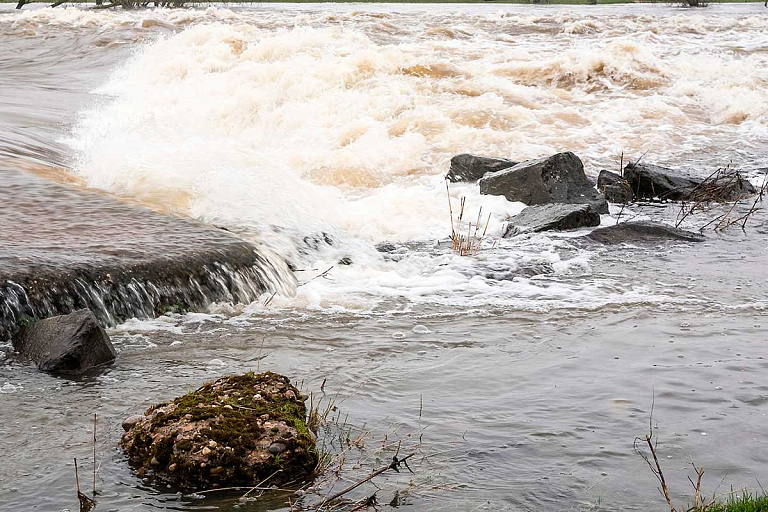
{"x": 322, "y": 133}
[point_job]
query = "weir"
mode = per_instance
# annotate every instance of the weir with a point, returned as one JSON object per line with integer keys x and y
{"x": 63, "y": 249}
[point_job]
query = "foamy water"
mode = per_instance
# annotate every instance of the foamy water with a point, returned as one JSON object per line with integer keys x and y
{"x": 310, "y": 121}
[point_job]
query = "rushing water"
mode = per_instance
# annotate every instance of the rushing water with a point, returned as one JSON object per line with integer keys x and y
{"x": 322, "y": 131}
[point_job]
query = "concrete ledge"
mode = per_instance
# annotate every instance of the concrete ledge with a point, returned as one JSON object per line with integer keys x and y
{"x": 64, "y": 249}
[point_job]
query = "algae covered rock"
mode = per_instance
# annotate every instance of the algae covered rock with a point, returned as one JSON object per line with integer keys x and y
{"x": 234, "y": 431}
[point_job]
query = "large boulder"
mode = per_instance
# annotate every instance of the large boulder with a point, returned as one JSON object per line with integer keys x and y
{"x": 68, "y": 344}
{"x": 235, "y": 431}
{"x": 548, "y": 217}
{"x": 557, "y": 179}
{"x": 615, "y": 188}
{"x": 642, "y": 231}
{"x": 649, "y": 181}
{"x": 467, "y": 167}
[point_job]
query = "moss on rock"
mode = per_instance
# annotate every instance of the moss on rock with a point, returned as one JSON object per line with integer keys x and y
{"x": 234, "y": 431}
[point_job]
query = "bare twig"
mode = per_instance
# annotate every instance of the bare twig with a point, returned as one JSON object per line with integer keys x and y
{"x": 655, "y": 467}
{"x": 94, "y": 455}
{"x": 395, "y": 465}
{"x": 86, "y": 503}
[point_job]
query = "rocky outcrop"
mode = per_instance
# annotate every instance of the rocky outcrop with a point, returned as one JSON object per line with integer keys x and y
{"x": 235, "y": 431}
{"x": 615, "y": 188}
{"x": 548, "y": 217}
{"x": 649, "y": 181}
{"x": 69, "y": 344}
{"x": 642, "y": 231}
{"x": 467, "y": 167}
{"x": 557, "y": 179}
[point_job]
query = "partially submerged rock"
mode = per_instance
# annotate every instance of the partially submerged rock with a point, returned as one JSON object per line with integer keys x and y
{"x": 615, "y": 188}
{"x": 68, "y": 344}
{"x": 557, "y": 179}
{"x": 466, "y": 167}
{"x": 649, "y": 181}
{"x": 235, "y": 431}
{"x": 546, "y": 217}
{"x": 642, "y": 231}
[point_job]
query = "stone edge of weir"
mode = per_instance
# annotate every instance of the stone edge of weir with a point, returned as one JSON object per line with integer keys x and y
{"x": 173, "y": 264}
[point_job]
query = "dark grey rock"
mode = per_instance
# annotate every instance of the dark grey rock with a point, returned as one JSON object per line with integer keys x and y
{"x": 642, "y": 231}
{"x": 277, "y": 448}
{"x": 557, "y": 179}
{"x": 386, "y": 247}
{"x": 615, "y": 188}
{"x": 467, "y": 167}
{"x": 548, "y": 217}
{"x": 69, "y": 344}
{"x": 648, "y": 181}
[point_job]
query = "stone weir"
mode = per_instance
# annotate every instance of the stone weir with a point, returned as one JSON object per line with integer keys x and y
{"x": 64, "y": 249}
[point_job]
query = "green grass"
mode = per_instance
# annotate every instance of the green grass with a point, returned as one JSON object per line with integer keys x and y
{"x": 744, "y": 503}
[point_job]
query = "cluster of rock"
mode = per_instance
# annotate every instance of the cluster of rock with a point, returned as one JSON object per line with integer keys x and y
{"x": 235, "y": 431}
{"x": 560, "y": 196}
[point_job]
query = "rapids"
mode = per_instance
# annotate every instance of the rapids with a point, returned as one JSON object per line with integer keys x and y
{"x": 321, "y": 131}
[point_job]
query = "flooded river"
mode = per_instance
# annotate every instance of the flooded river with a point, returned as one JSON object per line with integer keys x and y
{"x": 322, "y": 133}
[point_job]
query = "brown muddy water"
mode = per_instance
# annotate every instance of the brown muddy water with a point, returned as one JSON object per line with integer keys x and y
{"x": 526, "y": 371}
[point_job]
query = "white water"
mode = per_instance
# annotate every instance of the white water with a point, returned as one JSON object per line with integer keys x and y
{"x": 343, "y": 122}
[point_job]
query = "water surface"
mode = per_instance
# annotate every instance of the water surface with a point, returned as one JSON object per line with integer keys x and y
{"x": 320, "y": 131}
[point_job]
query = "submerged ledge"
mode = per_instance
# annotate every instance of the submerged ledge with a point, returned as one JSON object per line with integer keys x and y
{"x": 64, "y": 249}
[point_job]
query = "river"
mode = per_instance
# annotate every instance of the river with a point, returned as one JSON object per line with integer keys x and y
{"x": 319, "y": 132}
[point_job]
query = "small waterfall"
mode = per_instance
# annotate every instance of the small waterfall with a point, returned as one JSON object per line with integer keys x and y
{"x": 236, "y": 274}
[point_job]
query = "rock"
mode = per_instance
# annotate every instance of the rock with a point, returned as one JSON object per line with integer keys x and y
{"x": 642, "y": 231}
{"x": 386, "y": 247}
{"x": 615, "y": 188}
{"x": 68, "y": 344}
{"x": 557, "y": 179}
{"x": 547, "y": 217}
{"x": 130, "y": 421}
{"x": 648, "y": 181}
{"x": 250, "y": 442}
{"x": 467, "y": 167}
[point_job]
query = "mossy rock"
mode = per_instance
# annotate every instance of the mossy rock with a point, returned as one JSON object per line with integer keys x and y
{"x": 234, "y": 431}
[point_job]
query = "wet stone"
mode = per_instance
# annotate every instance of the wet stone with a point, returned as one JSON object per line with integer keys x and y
{"x": 170, "y": 449}
{"x": 130, "y": 421}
